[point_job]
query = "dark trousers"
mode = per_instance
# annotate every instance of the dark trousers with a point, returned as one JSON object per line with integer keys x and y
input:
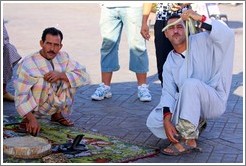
{"x": 162, "y": 46}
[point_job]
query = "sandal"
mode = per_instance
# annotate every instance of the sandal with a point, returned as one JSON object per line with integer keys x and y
{"x": 175, "y": 151}
{"x": 57, "y": 117}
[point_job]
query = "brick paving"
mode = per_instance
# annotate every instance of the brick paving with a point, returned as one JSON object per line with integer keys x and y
{"x": 123, "y": 115}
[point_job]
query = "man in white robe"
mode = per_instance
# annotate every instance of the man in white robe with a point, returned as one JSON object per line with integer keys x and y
{"x": 196, "y": 81}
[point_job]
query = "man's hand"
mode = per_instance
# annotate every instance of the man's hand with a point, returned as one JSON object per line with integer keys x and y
{"x": 175, "y": 7}
{"x": 170, "y": 130}
{"x": 32, "y": 126}
{"x": 145, "y": 28}
{"x": 54, "y": 76}
{"x": 145, "y": 31}
{"x": 191, "y": 14}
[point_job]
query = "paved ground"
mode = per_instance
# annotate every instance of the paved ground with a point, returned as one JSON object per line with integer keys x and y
{"x": 123, "y": 115}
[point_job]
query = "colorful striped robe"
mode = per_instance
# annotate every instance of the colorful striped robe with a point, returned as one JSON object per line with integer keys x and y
{"x": 33, "y": 93}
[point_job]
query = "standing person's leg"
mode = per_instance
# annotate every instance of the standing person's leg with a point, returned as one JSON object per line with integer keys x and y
{"x": 139, "y": 63}
{"x": 7, "y": 74}
{"x": 106, "y": 77}
{"x": 162, "y": 47}
{"x": 10, "y": 58}
{"x": 141, "y": 78}
{"x": 111, "y": 28}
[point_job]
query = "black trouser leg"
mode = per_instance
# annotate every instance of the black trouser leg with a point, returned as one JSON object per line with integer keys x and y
{"x": 162, "y": 47}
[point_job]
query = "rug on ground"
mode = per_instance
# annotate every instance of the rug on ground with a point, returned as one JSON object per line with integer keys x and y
{"x": 98, "y": 148}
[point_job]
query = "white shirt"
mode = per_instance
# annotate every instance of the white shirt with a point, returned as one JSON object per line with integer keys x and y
{"x": 209, "y": 60}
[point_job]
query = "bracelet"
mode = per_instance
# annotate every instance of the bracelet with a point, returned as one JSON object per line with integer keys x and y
{"x": 203, "y": 18}
{"x": 166, "y": 113}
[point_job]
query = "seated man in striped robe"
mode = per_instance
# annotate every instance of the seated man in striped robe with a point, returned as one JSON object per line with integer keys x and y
{"x": 46, "y": 83}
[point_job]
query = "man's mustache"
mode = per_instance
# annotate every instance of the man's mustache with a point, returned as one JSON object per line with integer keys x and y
{"x": 51, "y": 52}
{"x": 176, "y": 34}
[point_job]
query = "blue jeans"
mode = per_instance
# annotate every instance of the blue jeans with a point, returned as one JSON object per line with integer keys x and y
{"x": 111, "y": 24}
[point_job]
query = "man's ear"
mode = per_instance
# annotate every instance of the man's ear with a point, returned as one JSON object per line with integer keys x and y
{"x": 41, "y": 43}
{"x": 61, "y": 45}
{"x": 165, "y": 33}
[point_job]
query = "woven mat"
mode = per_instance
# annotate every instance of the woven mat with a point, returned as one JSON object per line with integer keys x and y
{"x": 101, "y": 148}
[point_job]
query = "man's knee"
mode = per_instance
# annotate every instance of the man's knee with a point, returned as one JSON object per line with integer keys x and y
{"x": 155, "y": 126}
{"x": 149, "y": 120}
{"x": 191, "y": 84}
{"x": 155, "y": 118}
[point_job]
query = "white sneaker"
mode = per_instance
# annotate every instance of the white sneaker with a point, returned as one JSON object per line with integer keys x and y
{"x": 103, "y": 91}
{"x": 143, "y": 93}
